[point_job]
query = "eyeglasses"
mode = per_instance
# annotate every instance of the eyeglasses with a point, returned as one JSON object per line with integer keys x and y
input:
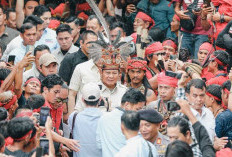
{"x": 161, "y": 53}
{"x": 59, "y": 100}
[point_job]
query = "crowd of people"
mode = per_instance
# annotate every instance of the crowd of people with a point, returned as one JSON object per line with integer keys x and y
{"x": 116, "y": 78}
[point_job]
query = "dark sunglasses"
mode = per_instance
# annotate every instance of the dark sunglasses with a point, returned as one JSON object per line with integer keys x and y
{"x": 62, "y": 100}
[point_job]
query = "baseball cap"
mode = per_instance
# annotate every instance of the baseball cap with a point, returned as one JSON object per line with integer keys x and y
{"x": 47, "y": 59}
{"x": 91, "y": 92}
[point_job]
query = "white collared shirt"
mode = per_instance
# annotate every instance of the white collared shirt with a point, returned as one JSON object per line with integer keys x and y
{"x": 59, "y": 55}
{"x": 207, "y": 120}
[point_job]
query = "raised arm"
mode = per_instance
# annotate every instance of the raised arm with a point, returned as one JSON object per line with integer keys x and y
{"x": 19, "y": 13}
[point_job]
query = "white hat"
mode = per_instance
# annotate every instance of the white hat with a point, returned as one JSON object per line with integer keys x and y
{"x": 47, "y": 59}
{"x": 91, "y": 92}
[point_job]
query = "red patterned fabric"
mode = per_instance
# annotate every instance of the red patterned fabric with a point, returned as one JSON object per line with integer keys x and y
{"x": 59, "y": 9}
{"x": 83, "y": 16}
{"x": 154, "y": 48}
{"x": 145, "y": 17}
{"x": 207, "y": 46}
{"x": 83, "y": 7}
{"x": 170, "y": 43}
{"x": 54, "y": 24}
{"x": 10, "y": 103}
{"x": 32, "y": 79}
{"x": 226, "y": 152}
{"x": 25, "y": 136}
{"x": 9, "y": 141}
{"x": 137, "y": 64}
{"x": 25, "y": 114}
{"x": 210, "y": 95}
{"x": 166, "y": 80}
{"x": 218, "y": 80}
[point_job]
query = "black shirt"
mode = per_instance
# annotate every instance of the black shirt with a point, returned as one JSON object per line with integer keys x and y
{"x": 68, "y": 64}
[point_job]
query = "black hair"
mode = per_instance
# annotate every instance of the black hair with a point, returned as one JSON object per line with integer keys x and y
{"x": 156, "y": 34}
{"x": 215, "y": 90}
{"x": 180, "y": 122}
{"x": 184, "y": 54}
{"x": 50, "y": 81}
{"x": 35, "y": 20}
{"x": 91, "y": 17}
{"x": 110, "y": 19}
{"x": 3, "y": 10}
{"x": 223, "y": 56}
{"x": 86, "y": 33}
{"x": 4, "y": 128}
{"x": 40, "y": 10}
{"x": 63, "y": 28}
{"x": 19, "y": 127}
{"x": 25, "y": 1}
{"x": 3, "y": 114}
{"x": 73, "y": 19}
{"x": 4, "y": 72}
{"x": 131, "y": 120}
{"x": 178, "y": 149}
{"x": 26, "y": 26}
{"x": 92, "y": 103}
{"x": 226, "y": 85}
{"x": 8, "y": 11}
{"x": 133, "y": 96}
{"x": 41, "y": 48}
{"x": 2, "y": 141}
{"x": 118, "y": 25}
{"x": 197, "y": 83}
{"x": 35, "y": 101}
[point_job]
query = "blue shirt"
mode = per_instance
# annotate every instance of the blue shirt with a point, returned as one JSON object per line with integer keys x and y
{"x": 109, "y": 135}
{"x": 224, "y": 124}
{"x": 49, "y": 38}
{"x": 85, "y": 132}
{"x": 19, "y": 53}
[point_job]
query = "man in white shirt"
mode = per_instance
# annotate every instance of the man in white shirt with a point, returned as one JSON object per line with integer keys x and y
{"x": 135, "y": 146}
{"x": 64, "y": 38}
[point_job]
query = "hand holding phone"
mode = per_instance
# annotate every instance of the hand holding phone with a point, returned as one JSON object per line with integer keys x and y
{"x": 44, "y": 113}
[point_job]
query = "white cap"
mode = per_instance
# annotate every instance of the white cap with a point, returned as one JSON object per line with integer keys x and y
{"x": 91, "y": 92}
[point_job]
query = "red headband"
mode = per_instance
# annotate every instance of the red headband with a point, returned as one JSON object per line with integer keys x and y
{"x": 10, "y": 103}
{"x": 137, "y": 64}
{"x": 210, "y": 95}
{"x": 207, "y": 46}
{"x": 154, "y": 48}
{"x": 170, "y": 43}
{"x": 226, "y": 90}
{"x": 25, "y": 136}
{"x": 217, "y": 60}
{"x": 83, "y": 16}
{"x": 145, "y": 17}
{"x": 166, "y": 80}
{"x": 9, "y": 141}
{"x": 32, "y": 79}
{"x": 25, "y": 114}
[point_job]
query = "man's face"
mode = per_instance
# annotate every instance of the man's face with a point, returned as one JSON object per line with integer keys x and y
{"x": 175, "y": 134}
{"x": 196, "y": 97}
{"x": 208, "y": 101}
{"x": 136, "y": 75}
{"x": 11, "y": 22}
{"x": 175, "y": 25}
{"x": 75, "y": 29}
{"x": 201, "y": 55}
{"x": 212, "y": 66}
{"x": 29, "y": 7}
{"x": 86, "y": 44}
{"x": 149, "y": 130}
{"x": 52, "y": 94}
{"x": 93, "y": 25}
{"x": 40, "y": 30}
{"x": 32, "y": 87}
{"x": 166, "y": 92}
{"x": 2, "y": 17}
{"x": 114, "y": 33}
{"x": 139, "y": 22}
{"x": 110, "y": 78}
{"x": 62, "y": 100}
{"x": 169, "y": 50}
{"x": 65, "y": 40}
{"x": 50, "y": 69}
{"x": 37, "y": 57}
{"x": 29, "y": 36}
{"x": 46, "y": 17}
{"x": 134, "y": 107}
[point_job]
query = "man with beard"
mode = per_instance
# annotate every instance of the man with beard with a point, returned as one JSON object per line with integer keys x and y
{"x": 136, "y": 76}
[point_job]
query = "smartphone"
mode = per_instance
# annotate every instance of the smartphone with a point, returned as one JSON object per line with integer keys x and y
{"x": 11, "y": 59}
{"x": 173, "y": 106}
{"x": 44, "y": 113}
{"x": 44, "y": 144}
{"x": 30, "y": 48}
{"x": 37, "y": 116}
